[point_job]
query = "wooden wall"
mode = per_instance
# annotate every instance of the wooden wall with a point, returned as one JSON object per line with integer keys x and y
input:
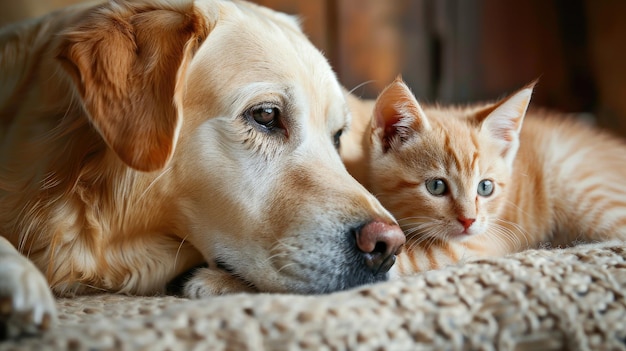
{"x": 463, "y": 50}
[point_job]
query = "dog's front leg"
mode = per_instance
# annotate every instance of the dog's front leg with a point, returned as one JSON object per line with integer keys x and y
{"x": 210, "y": 281}
{"x": 27, "y": 305}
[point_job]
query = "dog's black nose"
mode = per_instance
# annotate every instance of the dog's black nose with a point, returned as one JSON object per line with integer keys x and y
{"x": 379, "y": 243}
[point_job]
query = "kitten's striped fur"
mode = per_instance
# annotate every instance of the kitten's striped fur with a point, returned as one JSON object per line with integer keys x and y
{"x": 567, "y": 182}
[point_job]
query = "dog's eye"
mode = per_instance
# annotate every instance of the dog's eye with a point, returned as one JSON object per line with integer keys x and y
{"x": 266, "y": 116}
{"x": 337, "y": 139}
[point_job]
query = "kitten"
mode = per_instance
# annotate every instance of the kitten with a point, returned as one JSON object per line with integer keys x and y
{"x": 471, "y": 182}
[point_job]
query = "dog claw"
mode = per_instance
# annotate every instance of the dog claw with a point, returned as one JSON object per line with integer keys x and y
{"x": 14, "y": 324}
{"x": 27, "y": 305}
{"x": 46, "y": 322}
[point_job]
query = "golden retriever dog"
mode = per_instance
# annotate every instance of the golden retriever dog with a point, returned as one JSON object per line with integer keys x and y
{"x": 142, "y": 138}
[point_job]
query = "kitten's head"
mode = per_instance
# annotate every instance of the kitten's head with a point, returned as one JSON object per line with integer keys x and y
{"x": 443, "y": 172}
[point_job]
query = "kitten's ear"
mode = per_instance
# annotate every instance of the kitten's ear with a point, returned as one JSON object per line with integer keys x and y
{"x": 397, "y": 116}
{"x": 504, "y": 122}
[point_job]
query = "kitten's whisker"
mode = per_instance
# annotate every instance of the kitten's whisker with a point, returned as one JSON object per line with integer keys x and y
{"x": 502, "y": 235}
{"x": 423, "y": 237}
{"x": 505, "y": 235}
{"x": 521, "y": 232}
{"x": 416, "y": 229}
{"x": 513, "y": 204}
{"x": 413, "y": 218}
{"x": 433, "y": 237}
{"x": 419, "y": 230}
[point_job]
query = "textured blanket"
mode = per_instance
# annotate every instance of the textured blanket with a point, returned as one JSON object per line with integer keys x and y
{"x": 566, "y": 299}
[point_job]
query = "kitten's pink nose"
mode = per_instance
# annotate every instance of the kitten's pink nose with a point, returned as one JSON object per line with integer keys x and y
{"x": 466, "y": 222}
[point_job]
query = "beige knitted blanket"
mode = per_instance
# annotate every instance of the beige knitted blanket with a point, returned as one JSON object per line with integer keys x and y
{"x": 568, "y": 299}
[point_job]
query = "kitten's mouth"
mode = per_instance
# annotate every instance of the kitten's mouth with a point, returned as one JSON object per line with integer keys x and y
{"x": 461, "y": 235}
{"x": 464, "y": 232}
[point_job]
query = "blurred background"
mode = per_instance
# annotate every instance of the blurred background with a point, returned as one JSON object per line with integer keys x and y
{"x": 458, "y": 51}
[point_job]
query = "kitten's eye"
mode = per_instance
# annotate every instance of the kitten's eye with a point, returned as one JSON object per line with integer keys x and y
{"x": 267, "y": 117}
{"x": 485, "y": 187}
{"x": 436, "y": 187}
{"x": 337, "y": 139}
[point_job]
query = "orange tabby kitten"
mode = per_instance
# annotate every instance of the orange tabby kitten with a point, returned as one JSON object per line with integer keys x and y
{"x": 471, "y": 182}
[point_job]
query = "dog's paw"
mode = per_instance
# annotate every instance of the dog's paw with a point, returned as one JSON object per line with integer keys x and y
{"x": 27, "y": 305}
{"x": 210, "y": 282}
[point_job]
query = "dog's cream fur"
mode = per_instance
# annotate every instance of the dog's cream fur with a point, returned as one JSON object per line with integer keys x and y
{"x": 130, "y": 153}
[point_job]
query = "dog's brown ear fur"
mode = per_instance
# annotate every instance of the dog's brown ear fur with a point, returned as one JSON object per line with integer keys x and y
{"x": 127, "y": 61}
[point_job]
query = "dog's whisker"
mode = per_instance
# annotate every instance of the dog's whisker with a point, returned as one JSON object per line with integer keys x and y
{"x": 285, "y": 266}
{"x": 361, "y": 85}
{"x": 94, "y": 287}
{"x": 180, "y": 246}
{"x": 276, "y": 252}
{"x": 154, "y": 182}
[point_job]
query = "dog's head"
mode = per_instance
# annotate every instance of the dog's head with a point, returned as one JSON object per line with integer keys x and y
{"x": 235, "y": 119}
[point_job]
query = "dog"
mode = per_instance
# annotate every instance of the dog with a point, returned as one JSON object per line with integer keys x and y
{"x": 143, "y": 138}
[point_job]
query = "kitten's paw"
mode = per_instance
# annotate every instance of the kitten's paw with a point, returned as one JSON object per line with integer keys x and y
{"x": 210, "y": 282}
{"x": 27, "y": 305}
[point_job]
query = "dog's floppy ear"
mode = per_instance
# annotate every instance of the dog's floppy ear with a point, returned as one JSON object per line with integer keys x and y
{"x": 127, "y": 60}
